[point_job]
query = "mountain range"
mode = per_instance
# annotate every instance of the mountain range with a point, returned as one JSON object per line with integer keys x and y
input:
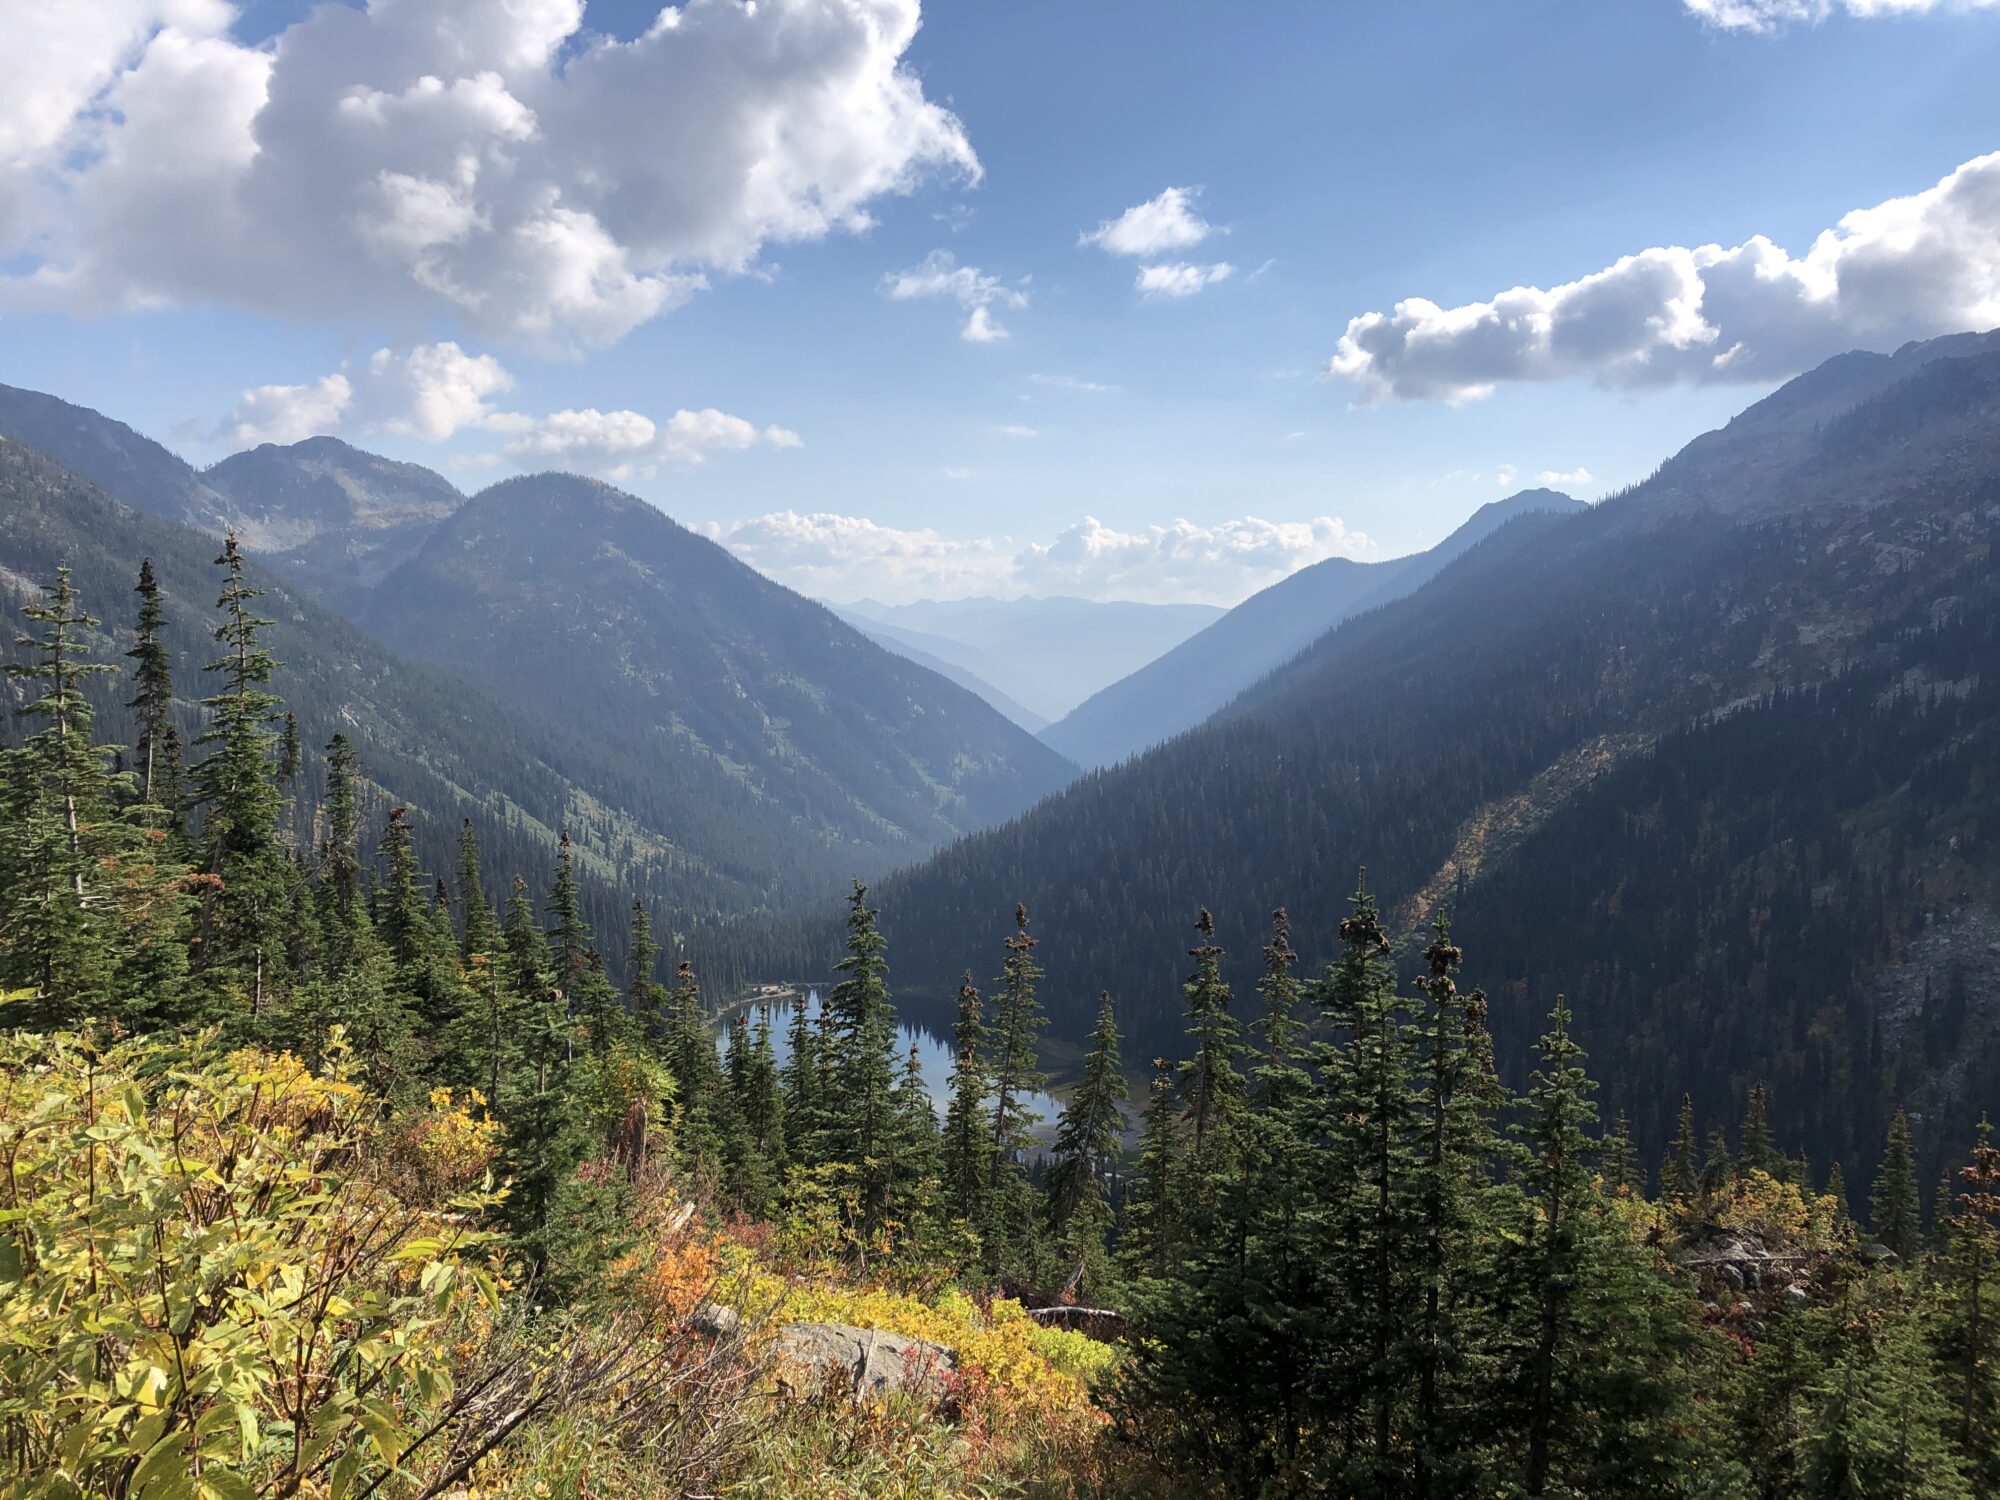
{"x": 1181, "y": 687}
{"x": 1047, "y": 654}
{"x": 712, "y": 739}
{"x": 1712, "y": 756}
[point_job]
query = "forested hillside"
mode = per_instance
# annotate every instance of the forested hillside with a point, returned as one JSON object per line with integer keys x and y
{"x": 744, "y": 749}
{"x": 1183, "y": 686}
{"x": 1434, "y": 738}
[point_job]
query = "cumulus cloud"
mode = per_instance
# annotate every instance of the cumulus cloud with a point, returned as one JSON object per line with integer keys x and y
{"x": 436, "y": 391}
{"x": 1016, "y": 430}
{"x": 1907, "y": 268}
{"x": 1181, "y": 279}
{"x": 536, "y": 180}
{"x": 1168, "y": 222}
{"x": 1575, "y": 478}
{"x": 1767, "y": 17}
{"x": 940, "y": 275}
{"x": 846, "y": 557}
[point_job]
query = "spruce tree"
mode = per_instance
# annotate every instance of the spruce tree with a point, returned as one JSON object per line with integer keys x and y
{"x": 1152, "y": 1230}
{"x": 1619, "y": 1160}
{"x": 701, "y": 1127}
{"x": 152, "y": 698}
{"x": 804, "y": 1091}
{"x": 967, "y": 1167}
{"x": 858, "y": 1031}
{"x": 1086, "y": 1151}
{"x": 480, "y": 931}
{"x": 1966, "y": 1319}
{"x": 1211, "y": 1083}
{"x": 914, "y": 1151}
{"x": 1009, "y": 1231}
{"x": 1680, "y": 1173}
{"x": 1893, "y": 1211}
{"x": 1718, "y": 1169}
{"x": 1755, "y": 1150}
{"x": 242, "y": 927}
{"x": 59, "y": 827}
{"x": 645, "y": 996}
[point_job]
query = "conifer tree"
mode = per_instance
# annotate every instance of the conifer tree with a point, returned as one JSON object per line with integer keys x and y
{"x": 1893, "y": 1210}
{"x": 1009, "y": 1231}
{"x": 701, "y": 1127}
{"x": 242, "y": 928}
{"x": 480, "y": 932}
{"x": 858, "y": 1031}
{"x": 967, "y": 1168}
{"x": 343, "y": 915}
{"x": 804, "y": 1089}
{"x": 645, "y": 996}
{"x": 1967, "y": 1317}
{"x": 404, "y": 923}
{"x": 59, "y": 825}
{"x": 1755, "y": 1150}
{"x": 291, "y": 753}
{"x": 1619, "y": 1166}
{"x": 1211, "y": 1082}
{"x": 1836, "y": 1189}
{"x": 914, "y": 1153}
{"x": 1680, "y": 1172}
{"x": 152, "y": 699}
{"x": 1152, "y": 1228}
{"x": 1718, "y": 1169}
{"x": 1086, "y": 1149}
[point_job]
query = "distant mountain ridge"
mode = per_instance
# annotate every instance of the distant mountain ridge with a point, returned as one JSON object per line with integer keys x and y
{"x": 733, "y": 725}
{"x": 1713, "y": 758}
{"x": 1048, "y": 653}
{"x": 946, "y": 658}
{"x": 1197, "y": 678}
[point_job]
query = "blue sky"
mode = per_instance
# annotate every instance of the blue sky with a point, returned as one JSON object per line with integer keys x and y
{"x": 850, "y": 441}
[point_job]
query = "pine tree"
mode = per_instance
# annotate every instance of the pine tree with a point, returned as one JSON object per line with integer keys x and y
{"x": 1836, "y": 1189}
{"x": 1893, "y": 1209}
{"x": 914, "y": 1149}
{"x": 403, "y": 917}
{"x": 59, "y": 825}
{"x": 343, "y": 916}
{"x": 1087, "y": 1147}
{"x": 805, "y": 1104}
{"x": 1211, "y": 1084}
{"x": 701, "y": 1126}
{"x": 1756, "y": 1151}
{"x": 1680, "y": 1176}
{"x": 1718, "y": 1170}
{"x": 481, "y": 924}
{"x": 645, "y": 996}
{"x": 242, "y": 926}
{"x": 1966, "y": 1331}
{"x": 1017, "y": 1023}
{"x": 761, "y": 1108}
{"x": 291, "y": 753}
{"x": 858, "y": 1032}
{"x": 1152, "y": 1230}
{"x": 1619, "y": 1165}
{"x": 967, "y": 1167}
{"x": 152, "y": 700}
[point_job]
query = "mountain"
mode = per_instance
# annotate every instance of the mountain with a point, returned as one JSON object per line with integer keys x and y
{"x": 946, "y": 658}
{"x": 330, "y": 517}
{"x": 427, "y": 739}
{"x": 778, "y": 733}
{"x": 730, "y": 762}
{"x": 1197, "y": 677}
{"x": 1049, "y": 654}
{"x": 1712, "y": 757}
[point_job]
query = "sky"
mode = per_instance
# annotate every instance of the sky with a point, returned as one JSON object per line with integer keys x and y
{"x": 1135, "y": 299}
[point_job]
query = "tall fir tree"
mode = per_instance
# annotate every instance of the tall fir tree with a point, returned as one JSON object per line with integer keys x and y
{"x": 479, "y": 930}
{"x": 152, "y": 700}
{"x": 242, "y": 928}
{"x": 967, "y": 1167}
{"x": 858, "y": 1033}
{"x": 1894, "y": 1212}
{"x": 1680, "y": 1172}
{"x": 1087, "y": 1147}
{"x": 1755, "y": 1150}
{"x": 804, "y": 1086}
{"x": 1009, "y": 1232}
{"x": 645, "y": 996}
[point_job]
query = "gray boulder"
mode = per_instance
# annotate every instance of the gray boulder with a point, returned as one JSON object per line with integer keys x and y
{"x": 874, "y": 1361}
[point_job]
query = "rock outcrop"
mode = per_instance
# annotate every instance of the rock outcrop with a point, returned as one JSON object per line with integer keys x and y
{"x": 874, "y": 1361}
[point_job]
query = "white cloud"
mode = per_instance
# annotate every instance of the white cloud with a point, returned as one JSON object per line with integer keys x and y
{"x": 1767, "y": 17}
{"x": 1071, "y": 383}
{"x": 1908, "y": 268}
{"x": 1504, "y": 476}
{"x": 1576, "y": 478}
{"x": 1016, "y": 430}
{"x": 958, "y": 473}
{"x": 848, "y": 557}
{"x": 288, "y": 413}
{"x": 940, "y": 275}
{"x": 538, "y": 181}
{"x": 1154, "y": 227}
{"x": 436, "y": 391}
{"x": 981, "y": 329}
{"x": 1181, "y": 279}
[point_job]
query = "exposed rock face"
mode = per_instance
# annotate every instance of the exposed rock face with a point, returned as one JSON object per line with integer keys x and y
{"x": 875, "y": 1361}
